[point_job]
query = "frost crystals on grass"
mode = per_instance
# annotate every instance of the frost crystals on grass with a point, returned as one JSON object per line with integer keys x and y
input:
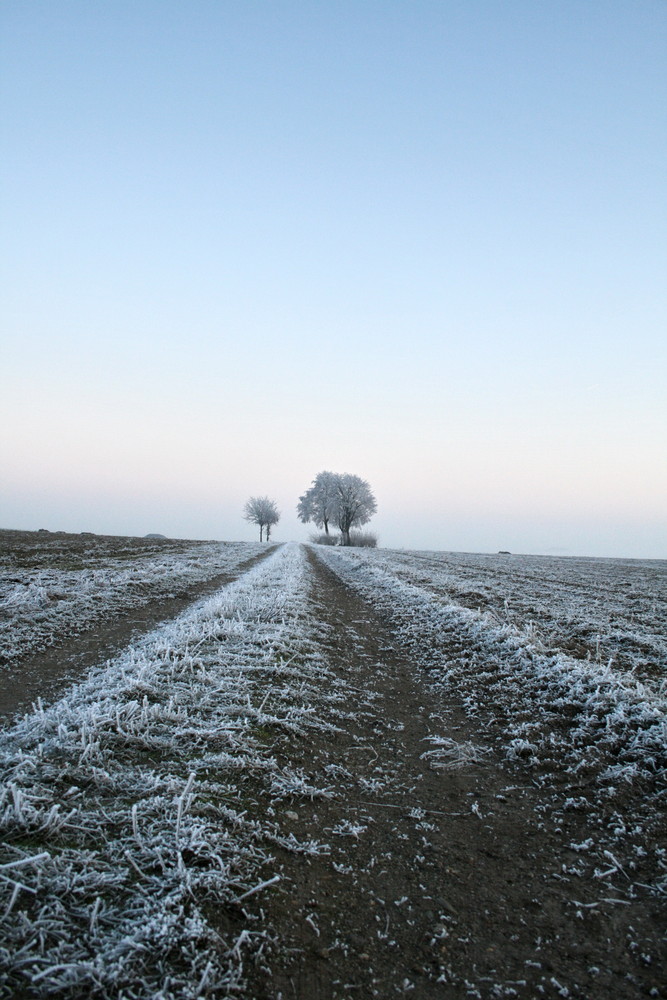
{"x": 124, "y": 808}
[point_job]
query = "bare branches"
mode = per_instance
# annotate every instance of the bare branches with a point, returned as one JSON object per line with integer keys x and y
{"x": 263, "y": 512}
{"x": 355, "y": 504}
{"x": 318, "y": 504}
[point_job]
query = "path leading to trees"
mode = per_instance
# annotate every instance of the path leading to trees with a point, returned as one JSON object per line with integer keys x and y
{"x": 269, "y": 797}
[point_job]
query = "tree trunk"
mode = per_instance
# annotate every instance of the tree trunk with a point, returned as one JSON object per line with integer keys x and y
{"x": 261, "y": 532}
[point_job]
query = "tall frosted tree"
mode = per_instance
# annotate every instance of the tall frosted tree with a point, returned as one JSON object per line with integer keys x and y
{"x": 354, "y": 506}
{"x": 318, "y": 503}
{"x": 263, "y": 512}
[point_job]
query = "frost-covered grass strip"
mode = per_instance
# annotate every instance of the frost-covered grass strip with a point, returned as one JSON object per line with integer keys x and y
{"x": 41, "y": 605}
{"x": 129, "y": 846}
{"x": 611, "y": 611}
{"x": 595, "y": 718}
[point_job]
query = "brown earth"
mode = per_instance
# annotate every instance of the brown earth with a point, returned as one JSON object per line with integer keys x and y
{"x": 66, "y": 550}
{"x": 439, "y": 882}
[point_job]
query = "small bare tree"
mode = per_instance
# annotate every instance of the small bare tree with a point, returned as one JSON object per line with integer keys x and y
{"x": 262, "y": 511}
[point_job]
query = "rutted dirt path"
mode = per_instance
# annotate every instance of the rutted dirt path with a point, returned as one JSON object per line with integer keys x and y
{"x": 439, "y": 882}
{"x": 46, "y": 674}
{"x": 432, "y": 880}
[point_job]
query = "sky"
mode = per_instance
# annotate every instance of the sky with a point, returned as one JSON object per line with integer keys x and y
{"x": 421, "y": 241}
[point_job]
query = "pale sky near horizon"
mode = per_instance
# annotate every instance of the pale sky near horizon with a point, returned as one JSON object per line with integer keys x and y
{"x": 421, "y": 241}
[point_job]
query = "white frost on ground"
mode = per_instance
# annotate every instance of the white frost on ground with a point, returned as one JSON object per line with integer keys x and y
{"x": 40, "y": 606}
{"x": 497, "y": 630}
{"x": 130, "y": 865}
{"x": 123, "y": 830}
{"x": 608, "y": 610}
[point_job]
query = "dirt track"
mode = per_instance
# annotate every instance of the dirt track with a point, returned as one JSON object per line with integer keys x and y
{"x": 440, "y": 882}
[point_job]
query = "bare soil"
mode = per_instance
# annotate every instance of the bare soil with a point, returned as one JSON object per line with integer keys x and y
{"x": 439, "y": 883}
{"x": 65, "y": 550}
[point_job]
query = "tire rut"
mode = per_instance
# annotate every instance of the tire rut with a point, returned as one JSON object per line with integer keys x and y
{"x": 439, "y": 882}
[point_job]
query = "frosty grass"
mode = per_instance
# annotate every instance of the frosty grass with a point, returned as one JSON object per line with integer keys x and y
{"x": 511, "y": 651}
{"x": 121, "y": 819}
{"x": 561, "y": 665}
{"x": 125, "y": 807}
{"x": 40, "y": 606}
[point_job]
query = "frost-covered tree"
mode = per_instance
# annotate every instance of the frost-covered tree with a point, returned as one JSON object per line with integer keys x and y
{"x": 262, "y": 511}
{"x": 318, "y": 503}
{"x": 344, "y": 500}
{"x": 354, "y": 504}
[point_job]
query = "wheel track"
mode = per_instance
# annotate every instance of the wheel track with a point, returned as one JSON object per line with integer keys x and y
{"x": 453, "y": 899}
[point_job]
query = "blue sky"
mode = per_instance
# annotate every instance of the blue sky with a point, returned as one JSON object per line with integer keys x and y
{"x": 423, "y": 242}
